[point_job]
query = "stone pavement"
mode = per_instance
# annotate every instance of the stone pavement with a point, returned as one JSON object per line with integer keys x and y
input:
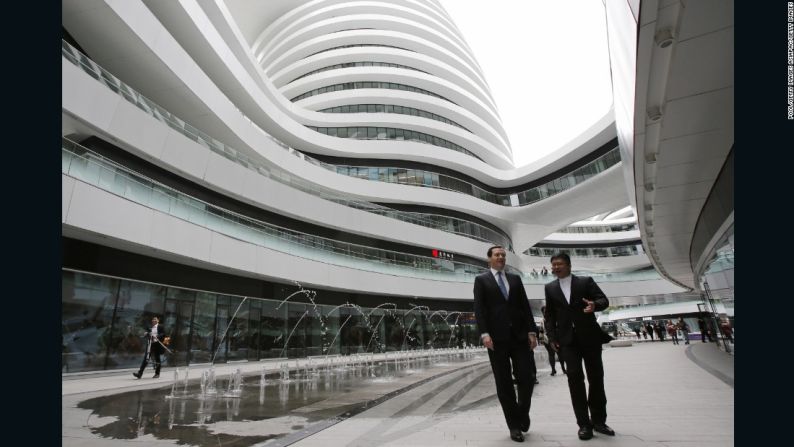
{"x": 658, "y": 396}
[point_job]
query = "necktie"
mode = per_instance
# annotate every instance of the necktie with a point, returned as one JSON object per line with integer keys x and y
{"x": 501, "y": 283}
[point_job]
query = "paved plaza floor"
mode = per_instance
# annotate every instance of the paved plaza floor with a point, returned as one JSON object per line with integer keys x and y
{"x": 659, "y": 394}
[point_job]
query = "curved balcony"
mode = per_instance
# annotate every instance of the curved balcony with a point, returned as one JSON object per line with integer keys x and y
{"x": 429, "y": 179}
{"x": 448, "y": 224}
{"x": 389, "y": 108}
{"x": 84, "y": 165}
{"x": 632, "y": 249}
{"x": 356, "y": 64}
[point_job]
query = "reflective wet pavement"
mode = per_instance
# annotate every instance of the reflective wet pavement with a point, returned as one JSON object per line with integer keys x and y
{"x": 658, "y": 397}
{"x": 309, "y": 401}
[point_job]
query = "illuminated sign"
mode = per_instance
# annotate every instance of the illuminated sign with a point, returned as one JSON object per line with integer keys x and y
{"x": 442, "y": 254}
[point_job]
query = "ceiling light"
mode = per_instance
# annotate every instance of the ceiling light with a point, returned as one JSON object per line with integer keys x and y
{"x": 664, "y": 37}
{"x": 654, "y": 114}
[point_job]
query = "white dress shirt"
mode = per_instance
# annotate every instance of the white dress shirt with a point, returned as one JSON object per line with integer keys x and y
{"x": 565, "y": 285}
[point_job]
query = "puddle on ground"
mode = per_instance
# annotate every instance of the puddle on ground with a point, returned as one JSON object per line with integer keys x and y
{"x": 272, "y": 411}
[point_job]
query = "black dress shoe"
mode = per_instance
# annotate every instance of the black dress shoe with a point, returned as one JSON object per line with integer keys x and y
{"x": 137, "y": 375}
{"x": 604, "y": 428}
{"x": 515, "y": 435}
{"x": 525, "y": 424}
{"x": 554, "y": 373}
{"x": 156, "y": 376}
{"x": 585, "y": 432}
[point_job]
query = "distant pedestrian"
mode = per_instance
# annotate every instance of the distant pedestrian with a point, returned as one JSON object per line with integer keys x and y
{"x": 660, "y": 330}
{"x": 684, "y": 329}
{"x": 637, "y": 331}
{"x": 672, "y": 331}
{"x": 725, "y": 328}
{"x": 704, "y": 330}
{"x": 553, "y": 352}
{"x": 649, "y": 328}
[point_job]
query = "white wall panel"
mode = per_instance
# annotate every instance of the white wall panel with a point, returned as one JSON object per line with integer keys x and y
{"x": 130, "y": 125}
{"x": 67, "y": 187}
{"x": 180, "y": 152}
{"x": 101, "y": 212}
{"x": 95, "y": 104}
{"x": 234, "y": 253}
{"x": 179, "y": 236}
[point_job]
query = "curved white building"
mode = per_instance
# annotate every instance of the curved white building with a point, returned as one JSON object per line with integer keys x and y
{"x": 217, "y": 152}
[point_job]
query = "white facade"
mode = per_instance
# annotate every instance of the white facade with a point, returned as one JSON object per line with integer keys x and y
{"x": 231, "y": 71}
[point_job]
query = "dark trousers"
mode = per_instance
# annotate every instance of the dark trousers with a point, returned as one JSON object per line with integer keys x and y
{"x": 510, "y": 358}
{"x": 552, "y": 358}
{"x": 596, "y": 399}
{"x": 674, "y": 335}
{"x": 155, "y": 358}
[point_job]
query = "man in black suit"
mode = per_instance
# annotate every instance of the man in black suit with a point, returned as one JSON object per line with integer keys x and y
{"x": 572, "y": 329}
{"x": 506, "y": 328}
{"x": 154, "y": 348}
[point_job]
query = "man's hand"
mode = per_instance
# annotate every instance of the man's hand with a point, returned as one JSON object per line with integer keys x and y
{"x": 487, "y": 342}
{"x": 556, "y": 346}
{"x": 590, "y": 308}
{"x": 533, "y": 341}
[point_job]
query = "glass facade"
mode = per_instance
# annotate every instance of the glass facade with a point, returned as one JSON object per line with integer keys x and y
{"x": 366, "y": 84}
{"x": 588, "y": 252}
{"x": 390, "y": 133}
{"x": 717, "y": 284}
{"x": 103, "y": 320}
{"x": 389, "y": 108}
{"x": 360, "y": 45}
{"x": 429, "y": 179}
{"x": 356, "y": 64}
{"x": 598, "y": 228}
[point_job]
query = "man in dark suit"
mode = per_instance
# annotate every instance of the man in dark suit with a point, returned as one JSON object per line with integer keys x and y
{"x": 572, "y": 329}
{"x": 154, "y": 348}
{"x": 506, "y": 328}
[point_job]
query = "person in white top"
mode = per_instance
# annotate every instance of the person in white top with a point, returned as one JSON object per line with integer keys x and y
{"x": 573, "y": 331}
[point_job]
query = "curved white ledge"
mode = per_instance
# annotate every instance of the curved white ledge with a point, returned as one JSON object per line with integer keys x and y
{"x": 94, "y": 215}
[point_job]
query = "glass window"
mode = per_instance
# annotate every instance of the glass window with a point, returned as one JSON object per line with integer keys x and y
{"x": 372, "y": 133}
{"x": 345, "y": 109}
{"x": 341, "y": 132}
{"x": 381, "y": 133}
{"x": 371, "y": 108}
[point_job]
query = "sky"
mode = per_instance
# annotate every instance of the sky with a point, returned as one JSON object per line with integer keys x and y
{"x": 547, "y": 63}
